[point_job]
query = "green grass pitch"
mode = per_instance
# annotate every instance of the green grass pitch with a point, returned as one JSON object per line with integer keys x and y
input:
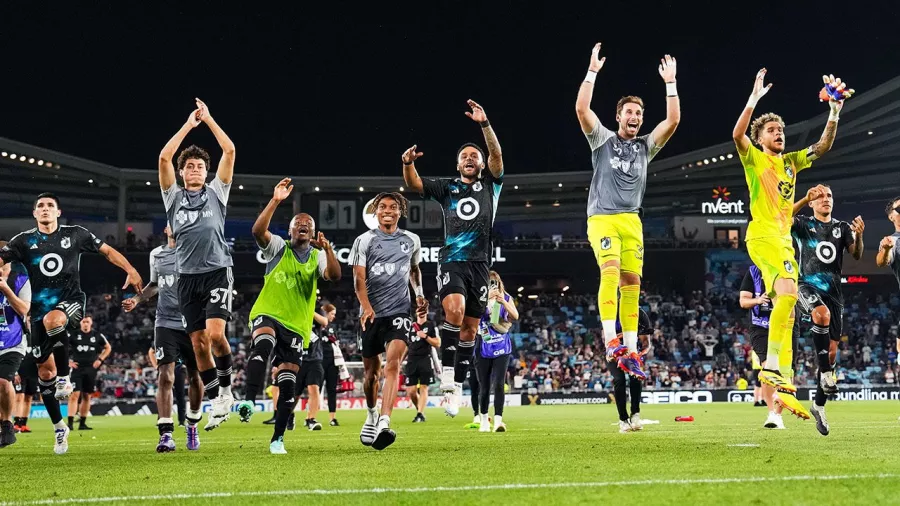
{"x": 551, "y": 455}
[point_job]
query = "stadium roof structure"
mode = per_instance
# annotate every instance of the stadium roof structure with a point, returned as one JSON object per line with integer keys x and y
{"x": 860, "y": 168}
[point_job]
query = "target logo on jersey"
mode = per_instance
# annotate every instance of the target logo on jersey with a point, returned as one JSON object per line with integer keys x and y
{"x": 826, "y": 252}
{"x": 51, "y": 264}
{"x": 467, "y": 208}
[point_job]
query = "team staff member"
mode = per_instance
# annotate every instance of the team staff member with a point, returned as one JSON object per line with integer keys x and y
{"x": 419, "y": 370}
{"x": 89, "y": 349}
{"x": 15, "y": 302}
{"x": 330, "y": 350}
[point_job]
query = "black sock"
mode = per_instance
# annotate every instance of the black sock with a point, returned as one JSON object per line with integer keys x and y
{"x": 287, "y": 383}
{"x": 449, "y": 340}
{"x": 48, "y": 395}
{"x": 82, "y": 421}
{"x": 60, "y": 350}
{"x": 71, "y": 420}
{"x": 262, "y": 348}
{"x": 24, "y": 420}
{"x": 465, "y": 352}
{"x": 210, "y": 383}
{"x": 165, "y": 427}
{"x": 822, "y": 346}
{"x": 16, "y": 421}
{"x": 821, "y": 398}
{"x": 620, "y": 393}
{"x": 224, "y": 370}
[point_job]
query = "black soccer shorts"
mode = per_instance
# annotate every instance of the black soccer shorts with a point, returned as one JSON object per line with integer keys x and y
{"x": 471, "y": 279}
{"x": 204, "y": 297}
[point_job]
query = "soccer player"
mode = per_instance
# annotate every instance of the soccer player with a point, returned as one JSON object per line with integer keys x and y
{"x": 196, "y": 213}
{"x": 15, "y": 302}
{"x": 177, "y": 386}
{"x": 495, "y": 350}
{"x": 821, "y": 241}
{"x": 886, "y": 256}
{"x": 171, "y": 344}
{"x": 615, "y": 231}
{"x": 89, "y": 349}
{"x": 330, "y": 353}
{"x": 469, "y": 203}
{"x": 419, "y": 371}
{"x": 282, "y": 316}
{"x": 385, "y": 264}
{"x": 51, "y": 255}
{"x": 754, "y": 297}
{"x": 635, "y": 386}
{"x": 771, "y": 175}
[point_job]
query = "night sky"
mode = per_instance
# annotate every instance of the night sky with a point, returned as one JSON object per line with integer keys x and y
{"x": 344, "y": 91}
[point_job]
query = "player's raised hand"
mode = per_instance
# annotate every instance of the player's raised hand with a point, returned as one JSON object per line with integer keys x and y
{"x": 887, "y": 243}
{"x": 421, "y": 307}
{"x": 204, "y": 110}
{"x": 759, "y": 87}
{"x": 410, "y": 155}
{"x": 477, "y": 114}
{"x": 596, "y": 62}
{"x": 834, "y": 90}
{"x": 321, "y": 242}
{"x": 194, "y": 119}
{"x": 134, "y": 279}
{"x": 816, "y": 192}
{"x": 368, "y": 315}
{"x": 282, "y": 189}
{"x": 129, "y": 304}
{"x": 667, "y": 69}
{"x": 858, "y": 225}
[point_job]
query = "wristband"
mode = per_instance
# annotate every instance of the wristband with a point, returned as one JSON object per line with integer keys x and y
{"x": 834, "y": 115}
{"x": 671, "y": 90}
{"x": 420, "y": 292}
{"x": 405, "y": 162}
{"x": 590, "y": 77}
{"x": 484, "y": 124}
{"x": 751, "y": 102}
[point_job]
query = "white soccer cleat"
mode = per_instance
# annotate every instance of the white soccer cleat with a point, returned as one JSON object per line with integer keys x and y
{"x": 221, "y": 405}
{"x": 499, "y": 426}
{"x": 61, "y": 445}
{"x": 635, "y": 421}
{"x": 369, "y": 431}
{"x": 625, "y": 427}
{"x": 818, "y": 412}
{"x": 774, "y": 421}
{"x": 484, "y": 425}
{"x": 64, "y": 388}
{"x": 451, "y": 401}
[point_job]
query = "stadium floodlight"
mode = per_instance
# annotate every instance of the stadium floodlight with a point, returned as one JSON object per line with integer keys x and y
{"x": 521, "y": 289}
{"x": 560, "y": 185}
{"x": 240, "y": 187}
{"x": 516, "y": 187}
{"x": 31, "y": 160}
{"x": 316, "y": 188}
{"x": 730, "y": 156}
{"x": 401, "y": 188}
{"x": 4, "y": 154}
{"x": 871, "y": 132}
{"x": 148, "y": 183}
{"x": 90, "y": 181}
{"x": 714, "y": 159}
{"x": 532, "y": 297}
{"x": 362, "y": 189}
{"x": 21, "y": 158}
{"x": 40, "y": 162}
{"x": 566, "y": 288}
{"x": 721, "y": 157}
{"x": 527, "y": 204}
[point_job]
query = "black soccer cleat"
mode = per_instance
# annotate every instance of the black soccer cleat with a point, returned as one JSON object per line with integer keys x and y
{"x": 420, "y": 418}
{"x": 7, "y": 433}
{"x": 384, "y": 439}
{"x": 334, "y": 423}
{"x": 84, "y": 426}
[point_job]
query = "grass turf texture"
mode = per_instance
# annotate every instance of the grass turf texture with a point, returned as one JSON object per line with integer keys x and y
{"x": 551, "y": 455}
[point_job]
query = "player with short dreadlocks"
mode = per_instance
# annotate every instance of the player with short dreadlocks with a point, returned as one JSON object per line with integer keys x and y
{"x": 385, "y": 263}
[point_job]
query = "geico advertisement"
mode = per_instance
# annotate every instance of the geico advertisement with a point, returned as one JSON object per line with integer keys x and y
{"x": 676, "y": 397}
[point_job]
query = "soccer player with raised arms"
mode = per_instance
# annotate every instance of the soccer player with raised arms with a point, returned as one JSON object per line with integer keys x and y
{"x": 771, "y": 176}
{"x": 620, "y": 161}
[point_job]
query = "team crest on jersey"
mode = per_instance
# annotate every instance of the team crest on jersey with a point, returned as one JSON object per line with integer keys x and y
{"x": 605, "y": 243}
{"x": 258, "y": 321}
{"x": 184, "y": 201}
{"x": 66, "y": 242}
{"x": 477, "y": 186}
{"x": 836, "y": 232}
{"x": 404, "y": 247}
{"x": 788, "y": 267}
{"x": 786, "y": 189}
{"x": 789, "y": 171}
{"x": 390, "y": 269}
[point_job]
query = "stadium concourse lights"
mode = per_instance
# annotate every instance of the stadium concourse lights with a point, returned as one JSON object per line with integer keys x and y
{"x": 566, "y": 288}
{"x": 240, "y": 187}
{"x": 148, "y": 183}
{"x": 316, "y": 188}
{"x": 516, "y": 187}
{"x": 521, "y": 289}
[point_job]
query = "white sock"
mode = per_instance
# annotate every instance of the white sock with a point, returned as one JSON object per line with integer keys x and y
{"x": 164, "y": 420}
{"x": 630, "y": 338}
{"x": 224, "y": 390}
{"x": 447, "y": 372}
{"x": 384, "y": 421}
{"x": 194, "y": 415}
{"x": 498, "y": 420}
{"x": 609, "y": 330}
{"x": 484, "y": 419}
{"x": 60, "y": 425}
{"x": 372, "y": 416}
{"x": 771, "y": 362}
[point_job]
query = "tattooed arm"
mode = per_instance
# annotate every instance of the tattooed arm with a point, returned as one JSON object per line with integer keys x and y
{"x": 495, "y": 156}
{"x": 818, "y": 149}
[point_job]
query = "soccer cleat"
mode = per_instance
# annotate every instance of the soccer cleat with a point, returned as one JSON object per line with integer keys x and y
{"x": 828, "y": 383}
{"x": 334, "y": 423}
{"x": 624, "y": 427}
{"x": 775, "y": 380}
{"x": 774, "y": 421}
{"x": 64, "y": 388}
{"x": 818, "y": 412}
{"x": 615, "y": 349}
{"x": 166, "y": 443}
{"x": 635, "y": 422}
{"x": 790, "y": 403}
{"x": 277, "y": 447}
{"x": 193, "y": 437}
{"x": 84, "y": 426}
{"x": 451, "y": 401}
{"x": 245, "y": 411}
{"x": 385, "y": 438}
{"x": 61, "y": 444}
{"x": 420, "y": 418}
{"x": 313, "y": 425}
{"x": 632, "y": 364}
{"x": 214, "y": 421}
{"x": 7, "y": 433}
{"x": 484, "y": 425}
{"x": 500, "y": 427}
{"x": 24, "y": 429}
{"x": 221, "y": 406}
{"x": 271, "y": 421}
{"x": 368, "y": 432}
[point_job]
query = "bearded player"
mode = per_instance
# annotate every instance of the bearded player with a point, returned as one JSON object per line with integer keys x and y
{"x": 620, "y": 161}
{"x": 771, "y": 175}
{"x": 821, "y": 241}
{"x": 469, "y": 203}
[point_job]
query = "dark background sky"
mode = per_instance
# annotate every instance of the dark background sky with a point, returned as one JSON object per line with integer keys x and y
{"x": 344, "y": 89}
